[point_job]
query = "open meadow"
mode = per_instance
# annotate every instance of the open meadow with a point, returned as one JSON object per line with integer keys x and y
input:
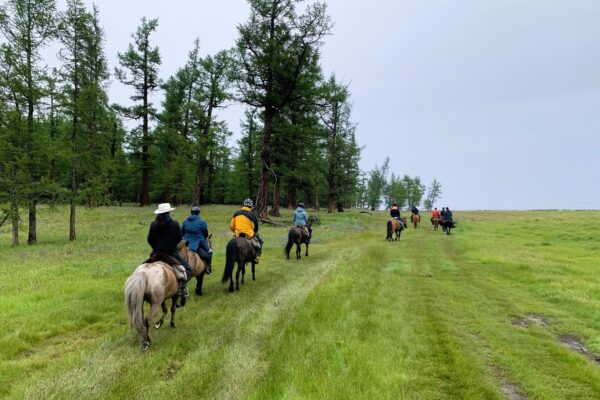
{"x": 507, "y": 306}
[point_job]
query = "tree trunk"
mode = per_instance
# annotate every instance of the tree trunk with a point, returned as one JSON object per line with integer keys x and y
{"x": 265, "y": 158}
{"x": 331, "y": 197}
{"x": 145, "y": 195}
{"x": 14, "y": 211}
{"x": 276, "y": 199}
{"x": 250, "y": 161}
{"x": 32, "y": 239}
{"x": 72, "y": 233}
{"x": 292, "y": 198}
{"x": 198, "y": 197}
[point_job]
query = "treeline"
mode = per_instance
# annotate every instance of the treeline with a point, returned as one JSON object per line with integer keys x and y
{"x": 379, "y": 190}
{"x": 61, "y": 141}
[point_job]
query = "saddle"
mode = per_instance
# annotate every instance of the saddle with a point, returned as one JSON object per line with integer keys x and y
{"x": 172, "y": 262}
{"x": 253, "y": 240}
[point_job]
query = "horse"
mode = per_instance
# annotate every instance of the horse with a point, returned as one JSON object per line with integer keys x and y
{"x": 238, "y": 250}
{"x": 415, "y": 219}
{"x": 394, "y": 226}
{"x": 155, "y": 282}
{"x": 436, "y": 222}
{"x": 447, "y": 224}
{"x": 297, "y": 235}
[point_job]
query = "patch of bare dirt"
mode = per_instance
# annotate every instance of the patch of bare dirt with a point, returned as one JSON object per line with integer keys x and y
{"x": 510, "y": 390}
{"x": 530, "y": 320}
{"x": 573, "y": 342}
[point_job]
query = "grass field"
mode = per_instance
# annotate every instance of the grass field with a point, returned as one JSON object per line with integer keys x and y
{"x": 508, "y": 306}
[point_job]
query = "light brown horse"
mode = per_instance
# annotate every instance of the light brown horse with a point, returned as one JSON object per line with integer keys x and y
{"x": 155, "y": 282}
{"x": 394, "y": 227}
{"x": 415, "y": 219}
{"x": 436, "y": 223}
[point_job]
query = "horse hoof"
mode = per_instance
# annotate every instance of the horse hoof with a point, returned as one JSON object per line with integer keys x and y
{"x": 172, "y": 324}
{"x": 198, "y": 293}
{"x": 158, "y": 324}
{"x": 145, "y": 346}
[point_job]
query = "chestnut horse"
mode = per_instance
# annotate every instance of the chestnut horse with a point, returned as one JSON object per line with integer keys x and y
{"x": 415, "y": 219}
{"x": 155, "y": 282}
{"x": 436, "y": 222}
{"x": 394, "y": 227}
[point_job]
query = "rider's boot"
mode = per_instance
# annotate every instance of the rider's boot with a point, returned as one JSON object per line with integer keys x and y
{"x": 183, "y": 289}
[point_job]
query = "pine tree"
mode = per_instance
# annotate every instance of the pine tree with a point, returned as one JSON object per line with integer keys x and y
{"x": 274, "y": 47}
{"x": 139, "y": 70}
{"x": 29, "y": 25}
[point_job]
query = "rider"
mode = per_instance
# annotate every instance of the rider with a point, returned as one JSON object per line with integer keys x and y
{"x": 448, "y": 214}
{"x": 395, "y": 213}
{"x": 164, "y": 236}
{"x": 443, "y": 214}
{"x": 300, "y": 219}
{"x": 195, "y": 231}
{"x": 435, "y": 214}
{"x": 245, "y": 224}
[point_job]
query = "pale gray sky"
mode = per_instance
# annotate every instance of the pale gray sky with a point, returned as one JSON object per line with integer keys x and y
{"x": 499, "y": 100}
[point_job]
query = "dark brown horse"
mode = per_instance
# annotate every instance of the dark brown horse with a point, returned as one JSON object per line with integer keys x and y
{"x": 415, "y": 219}
{"x": 298, "y": 235}
{"x": 394, "y": 227}
{"x": 154, "y": 281}
{"x": 447, "y": 225}
{"x": 238, "y": 250}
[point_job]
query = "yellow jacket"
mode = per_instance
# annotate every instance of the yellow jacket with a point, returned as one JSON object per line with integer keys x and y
{"x": 244, "y": 222}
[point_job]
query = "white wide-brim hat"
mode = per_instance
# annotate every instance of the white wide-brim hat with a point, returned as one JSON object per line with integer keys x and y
{"x": 163, "y": 208}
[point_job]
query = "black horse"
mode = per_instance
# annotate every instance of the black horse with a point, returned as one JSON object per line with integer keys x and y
{"x": 447, "y": 224}
{"x": 297, "y": 235}
{"x": 238, "y": 250}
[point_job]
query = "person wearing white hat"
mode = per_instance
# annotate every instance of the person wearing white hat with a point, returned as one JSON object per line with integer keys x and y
{"x": 164, "y": 236}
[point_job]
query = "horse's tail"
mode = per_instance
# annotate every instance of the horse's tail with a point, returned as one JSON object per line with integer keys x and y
{"x": 230, "y": 259}
{"x": 389, "y": 229}
{"x": 135, "y": 289}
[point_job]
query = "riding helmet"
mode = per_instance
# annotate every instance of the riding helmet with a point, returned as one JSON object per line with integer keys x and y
{"x": 248, "y": 203}
{"x": 196, "y": 210}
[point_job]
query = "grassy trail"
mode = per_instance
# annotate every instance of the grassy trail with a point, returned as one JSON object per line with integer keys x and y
{"x": 475, "y": 315}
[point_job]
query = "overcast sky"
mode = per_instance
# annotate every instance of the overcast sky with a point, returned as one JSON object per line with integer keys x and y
{"x": 499, "y": 100}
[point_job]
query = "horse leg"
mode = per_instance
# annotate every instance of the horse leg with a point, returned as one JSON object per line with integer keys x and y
{"x": 237, "y": 275}
{"x": 298, "y": 251}
{"x": 253, "y": 277}
{"x": 173, "y": 309}
{"x": 147, "y": 322}
{"x": 306, "y": 254}
{"x": 199, "y": 281}
{"x": 163, "y": 305}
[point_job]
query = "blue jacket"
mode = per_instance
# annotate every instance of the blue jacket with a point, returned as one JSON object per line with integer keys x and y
{"x": 195, "y": 230}
{"x": 300, "y": 217}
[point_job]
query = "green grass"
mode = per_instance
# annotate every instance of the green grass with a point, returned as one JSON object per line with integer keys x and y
{"x": 465, "y": 316}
